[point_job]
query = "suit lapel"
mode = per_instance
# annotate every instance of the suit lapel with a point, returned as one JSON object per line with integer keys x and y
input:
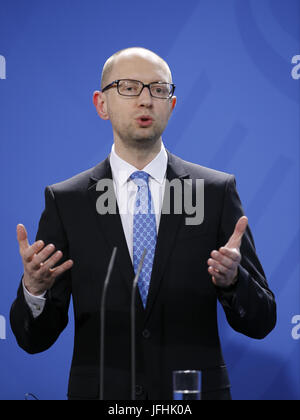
{"x": 110, "y": 225}
{"x": 168, "y": 227}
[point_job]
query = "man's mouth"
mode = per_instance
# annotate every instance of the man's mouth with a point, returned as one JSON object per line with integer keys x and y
{"x": 144, "y": 121}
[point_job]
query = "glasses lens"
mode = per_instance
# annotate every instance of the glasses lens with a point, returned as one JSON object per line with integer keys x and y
{"x": 161, "y": 90}
{"x": 130, "y": 87}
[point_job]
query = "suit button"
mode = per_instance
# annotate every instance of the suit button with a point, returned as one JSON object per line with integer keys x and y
{"x": 26, "y": 326}
{"x": 242, "y": 312}
{"x": 138, "y": 390}
{"x": 146, "y": 333}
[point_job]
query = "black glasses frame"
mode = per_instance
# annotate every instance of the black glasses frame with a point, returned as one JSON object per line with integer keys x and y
{"x": 115, "y": 83}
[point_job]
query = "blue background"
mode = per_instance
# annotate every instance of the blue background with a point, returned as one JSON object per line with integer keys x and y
{"x": 238, "y": 111}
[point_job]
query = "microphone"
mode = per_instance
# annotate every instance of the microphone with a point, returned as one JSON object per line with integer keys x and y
{"x": 102, "y": 319}
{"x": 133, "y": 293}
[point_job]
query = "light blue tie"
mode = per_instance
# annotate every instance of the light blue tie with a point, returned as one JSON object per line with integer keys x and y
{"x": 144, "y": 231}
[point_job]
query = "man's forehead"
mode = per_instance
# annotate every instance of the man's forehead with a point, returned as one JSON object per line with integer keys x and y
{"x": 136, "y": 65}
{"x": 138, "y": 54}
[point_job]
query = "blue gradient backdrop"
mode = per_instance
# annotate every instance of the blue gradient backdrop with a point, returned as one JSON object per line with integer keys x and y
{"x": 238, "y": 111}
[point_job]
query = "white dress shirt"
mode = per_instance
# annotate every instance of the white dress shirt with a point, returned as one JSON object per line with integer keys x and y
{"x": 125, "y": 190}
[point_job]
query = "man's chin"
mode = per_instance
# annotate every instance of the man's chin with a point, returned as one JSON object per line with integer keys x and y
{"x": 145, "y": 139}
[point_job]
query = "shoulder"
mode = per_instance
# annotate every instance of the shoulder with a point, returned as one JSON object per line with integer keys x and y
{"x": 81, "y": 181}
{"x": 196, "y": 171}
{"x": 77, "y": 184}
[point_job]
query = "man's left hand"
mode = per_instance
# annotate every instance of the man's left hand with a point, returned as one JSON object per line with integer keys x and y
{"x": 223, "y": 264}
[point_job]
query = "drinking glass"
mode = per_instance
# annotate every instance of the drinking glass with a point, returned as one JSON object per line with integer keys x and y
{"x": 187, "y": 385}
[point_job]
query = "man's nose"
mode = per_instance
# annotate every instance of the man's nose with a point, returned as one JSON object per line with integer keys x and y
{"x": 145, "y": 98}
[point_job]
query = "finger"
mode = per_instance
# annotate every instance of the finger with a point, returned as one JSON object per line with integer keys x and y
{"x": 219, "y": 268}
{"x": 217, "y": 282}
{"x": 42, "y": 256}
{"x": 230, "y": 253}
{"x": 30, "y": 252}
{"x": 217, "y": 277}
{"x": 223, "y": 259}
{"x": 22, "y": 237}
{"x": 57, "y": 271}
{"x": 239, "y": 230}
{"x": 51, "y": 262}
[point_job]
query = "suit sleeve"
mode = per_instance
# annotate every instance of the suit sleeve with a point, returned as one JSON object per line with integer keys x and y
{"x": 38, "y": 334}
{"x": 249, "y": 306}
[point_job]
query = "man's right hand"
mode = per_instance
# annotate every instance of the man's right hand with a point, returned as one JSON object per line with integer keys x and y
{"x": 38, "y": 261}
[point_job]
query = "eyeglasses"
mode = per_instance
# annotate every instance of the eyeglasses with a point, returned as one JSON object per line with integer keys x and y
{"x": 128, "y": 87}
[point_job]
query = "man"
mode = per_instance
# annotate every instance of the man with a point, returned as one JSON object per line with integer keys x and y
{"x": 187, "y": 266}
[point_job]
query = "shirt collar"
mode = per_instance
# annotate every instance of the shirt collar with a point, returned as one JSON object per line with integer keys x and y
{"x": 121, "y": 170}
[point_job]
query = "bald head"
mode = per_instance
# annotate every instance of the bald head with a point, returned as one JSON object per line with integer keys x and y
{"x": 128, "y": 53}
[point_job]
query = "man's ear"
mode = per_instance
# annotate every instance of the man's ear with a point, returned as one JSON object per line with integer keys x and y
{"x": 99, "y": 101}
{"x": 173, "y": 101}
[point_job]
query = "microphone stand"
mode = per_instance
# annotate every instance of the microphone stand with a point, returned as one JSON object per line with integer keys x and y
{"x": 102, "y": 320}
{"x": 135, "y": 281}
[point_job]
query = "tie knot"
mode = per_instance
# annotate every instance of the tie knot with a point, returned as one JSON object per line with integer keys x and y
{"x": 140, "y": 178}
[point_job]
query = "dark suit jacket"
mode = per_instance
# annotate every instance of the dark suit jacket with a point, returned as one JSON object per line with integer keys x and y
{"x": 178, "y": 329}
